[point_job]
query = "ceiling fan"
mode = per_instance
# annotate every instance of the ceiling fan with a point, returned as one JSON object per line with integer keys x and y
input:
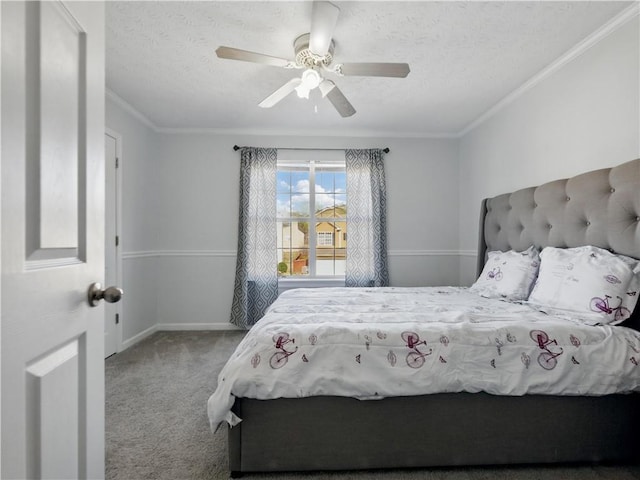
{"x": 314, "y": 54}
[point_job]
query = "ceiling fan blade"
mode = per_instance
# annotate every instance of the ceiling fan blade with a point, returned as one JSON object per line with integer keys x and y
{"x": 400, "y": 70}
{"x": 337, "y": 98}
{"x": 279, "y": 94}
{"x": 246, "y": 56}
{"x": 324, "y": 17}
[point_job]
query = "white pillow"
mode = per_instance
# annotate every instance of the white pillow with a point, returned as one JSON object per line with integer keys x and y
{"x": 508, "y": 275}
{"x": 590, "y": 282}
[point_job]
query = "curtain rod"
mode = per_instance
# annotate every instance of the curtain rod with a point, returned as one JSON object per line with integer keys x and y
{"x": 236, "y": 148}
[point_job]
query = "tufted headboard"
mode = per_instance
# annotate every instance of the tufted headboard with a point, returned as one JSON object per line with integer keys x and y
{"x": 600, "y": 208}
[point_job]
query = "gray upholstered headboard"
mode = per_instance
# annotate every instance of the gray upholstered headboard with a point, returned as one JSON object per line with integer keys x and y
{"x": 600, "y": 208}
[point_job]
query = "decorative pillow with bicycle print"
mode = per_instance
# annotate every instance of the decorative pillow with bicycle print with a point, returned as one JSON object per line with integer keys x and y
{"x": 508, "y": 275}
{"x": 588, "y": 283}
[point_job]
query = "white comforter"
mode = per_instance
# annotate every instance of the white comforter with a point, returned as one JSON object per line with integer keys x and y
{"x": 373, "y": 343}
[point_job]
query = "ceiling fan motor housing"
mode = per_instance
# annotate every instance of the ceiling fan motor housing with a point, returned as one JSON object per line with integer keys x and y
{"x": 305, "y": 58}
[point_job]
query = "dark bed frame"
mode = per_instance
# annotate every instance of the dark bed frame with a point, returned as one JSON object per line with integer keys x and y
{"x": 599, "y": 208}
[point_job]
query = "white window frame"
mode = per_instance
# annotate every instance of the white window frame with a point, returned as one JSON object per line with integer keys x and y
{"x": 310, "y": 280}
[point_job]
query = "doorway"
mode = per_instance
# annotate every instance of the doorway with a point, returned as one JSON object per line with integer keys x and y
{"x": 113, "y": 257}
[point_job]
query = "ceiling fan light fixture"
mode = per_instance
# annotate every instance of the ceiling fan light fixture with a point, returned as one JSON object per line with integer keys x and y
{"x": 311, "y": 79}
{"x": 302, "y": 91}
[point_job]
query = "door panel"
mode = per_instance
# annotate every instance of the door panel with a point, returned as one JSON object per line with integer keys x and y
{"x": 53, "y": 239}
{"x": 52, "y": 435}
{"x": 55, "y": 135}
{"x": 60, "y": 65}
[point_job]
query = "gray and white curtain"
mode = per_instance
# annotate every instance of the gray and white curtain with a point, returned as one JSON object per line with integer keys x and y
{"x": 366, "y": 219}
{"x": 256, "y": 284}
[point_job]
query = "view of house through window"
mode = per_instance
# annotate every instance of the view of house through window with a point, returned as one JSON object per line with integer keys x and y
{"x": 312, "y": 219}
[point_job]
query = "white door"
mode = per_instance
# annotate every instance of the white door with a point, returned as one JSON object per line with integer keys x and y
{"x": 52, "y": 174}
{"x": 112, "y": 243}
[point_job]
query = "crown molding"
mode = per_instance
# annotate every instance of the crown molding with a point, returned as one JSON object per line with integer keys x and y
{"x": 611, "y": 26}
{"x": 307, "y": 133}
{"x": 126, "y": 106}
{"x": 122, "y": 103}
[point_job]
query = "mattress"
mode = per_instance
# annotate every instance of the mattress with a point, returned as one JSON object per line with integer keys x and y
{"x": 372, "y": 343}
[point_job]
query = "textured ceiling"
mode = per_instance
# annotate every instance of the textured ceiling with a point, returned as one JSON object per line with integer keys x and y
{"x": 464, "y": 58}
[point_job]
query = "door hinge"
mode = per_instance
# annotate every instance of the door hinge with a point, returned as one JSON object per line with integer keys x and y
{"x": 117, "y": 240}
{"x": 117, "y": 162}
{"x": 117, "y": 318}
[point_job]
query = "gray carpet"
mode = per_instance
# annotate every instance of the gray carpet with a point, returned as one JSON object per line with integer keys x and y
{"x": 157, "y": 428}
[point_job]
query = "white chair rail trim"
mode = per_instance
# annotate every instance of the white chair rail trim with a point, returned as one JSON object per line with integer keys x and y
{"x": 179, "y": 253}
{"x": 232, "y": 253}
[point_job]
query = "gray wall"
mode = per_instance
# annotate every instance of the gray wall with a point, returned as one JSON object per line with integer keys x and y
{"x": 197, "y": 205}
{"x": 583, "y": 117}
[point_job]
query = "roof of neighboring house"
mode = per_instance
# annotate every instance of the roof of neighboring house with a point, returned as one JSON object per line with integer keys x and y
{"x": 332, "y": 224}
{"x": 342, "y": 208}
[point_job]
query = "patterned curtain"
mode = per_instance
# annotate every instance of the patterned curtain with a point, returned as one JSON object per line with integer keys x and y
{"x": 256, "y": 285}
{"x": 366, "y": 219}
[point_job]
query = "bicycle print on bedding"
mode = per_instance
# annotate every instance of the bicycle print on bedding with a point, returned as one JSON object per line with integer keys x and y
{"x": 417, "y": 341}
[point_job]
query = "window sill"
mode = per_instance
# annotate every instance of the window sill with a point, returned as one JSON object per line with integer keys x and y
{"x": 289, "y": 283}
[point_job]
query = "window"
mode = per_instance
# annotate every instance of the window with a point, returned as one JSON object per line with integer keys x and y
{"x": 312, "y": 219}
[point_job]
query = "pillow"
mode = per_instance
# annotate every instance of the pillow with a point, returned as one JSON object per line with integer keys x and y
{"x": 595, "y": 284}
{"x": 508, "y": 275}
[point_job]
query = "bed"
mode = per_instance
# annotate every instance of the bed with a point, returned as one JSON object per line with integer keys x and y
{"x": 550, "y": 419}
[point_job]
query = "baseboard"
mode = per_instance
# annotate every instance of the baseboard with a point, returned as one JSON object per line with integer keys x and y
{"x": 174, "y": 327}
{"x": 138, "y": 338}
{"x": 168, "y": 327}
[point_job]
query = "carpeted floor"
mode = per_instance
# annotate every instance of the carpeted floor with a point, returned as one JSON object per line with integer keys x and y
{"x": 157, "y": 428}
